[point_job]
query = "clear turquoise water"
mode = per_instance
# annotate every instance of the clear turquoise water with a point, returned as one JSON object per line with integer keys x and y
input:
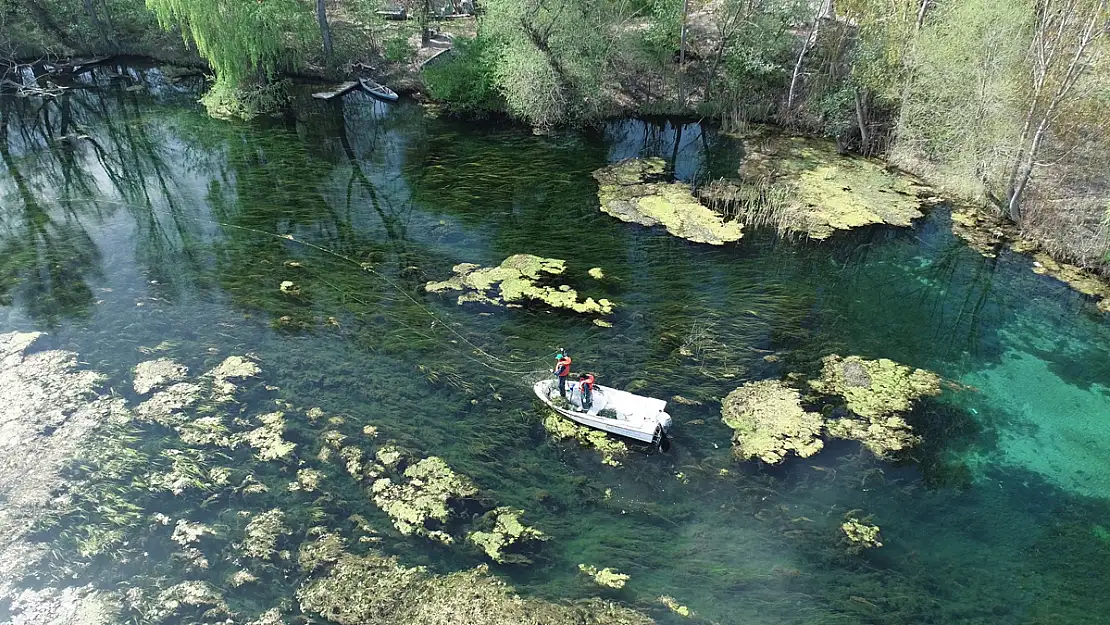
{"x": 162, "y": 229}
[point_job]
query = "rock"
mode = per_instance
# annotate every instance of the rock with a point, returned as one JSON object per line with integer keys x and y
{"x": 770, "y": 423}
{"x": 154, "y": 374}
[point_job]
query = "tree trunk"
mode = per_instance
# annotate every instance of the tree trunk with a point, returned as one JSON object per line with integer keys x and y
{"x": 325, "y": 29}
{"x": 811, "y": 39}
{"x": 682, "y": 56}
{"x": 861, "y": 119}
{"x": 90, "y": 8}
{"x": 921, "y": 13}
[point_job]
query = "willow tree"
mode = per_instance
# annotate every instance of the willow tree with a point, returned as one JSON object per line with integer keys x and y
{"x": 244, "y": 41}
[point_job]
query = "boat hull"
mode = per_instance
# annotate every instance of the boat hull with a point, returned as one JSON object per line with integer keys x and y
{"x": 639, "y": 418}
{"x": 380, "y": 92}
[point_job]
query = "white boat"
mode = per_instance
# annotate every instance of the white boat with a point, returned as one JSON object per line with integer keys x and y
{"x": 626, "y": 414}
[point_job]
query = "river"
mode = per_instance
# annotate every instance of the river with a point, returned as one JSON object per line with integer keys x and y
{"x": 166, "y": 231}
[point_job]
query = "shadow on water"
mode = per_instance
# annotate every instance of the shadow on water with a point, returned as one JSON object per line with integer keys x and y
{"x": 123, "y": 241}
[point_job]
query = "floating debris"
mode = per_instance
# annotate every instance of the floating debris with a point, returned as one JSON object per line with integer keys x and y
{"x": 507, "y": 533}
{"x": 606, "y": 577}
{"x": 770, "y": 423}
{"x": 874, "y": 388}
{"x": 421, "y": 504}
{"x": 627, "y": 191}
{"x": 154, "y": 374}
{"x": 514, "y": 281}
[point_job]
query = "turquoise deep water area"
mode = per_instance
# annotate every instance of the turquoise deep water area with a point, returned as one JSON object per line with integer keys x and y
{"x": 166, "y": 229}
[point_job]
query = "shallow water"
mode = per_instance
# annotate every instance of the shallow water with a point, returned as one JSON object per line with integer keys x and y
{"x": 166, "y": 229}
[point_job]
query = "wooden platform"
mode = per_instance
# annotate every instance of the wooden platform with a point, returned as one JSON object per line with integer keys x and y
{"x": 338, "y": 91}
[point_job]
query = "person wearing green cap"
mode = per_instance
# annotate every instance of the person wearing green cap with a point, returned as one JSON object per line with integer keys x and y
{"x": 562, "y": 370}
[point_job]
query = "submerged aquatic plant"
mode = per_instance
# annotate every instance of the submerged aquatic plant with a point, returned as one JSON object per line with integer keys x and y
{"x": 377, "y": 590}
{"x": 816, "y": 191}
{"x": 770, "y": 423}
{"x": 515, "y": 281}
{"x": 606, "y": 577}
{"x": 262, "y": 534}
{"x": 860, "y": 534}
{"x": 675, "y": 606}
{"x": 564, "y": 429}
{"x": 507, "y": 534}
{"x": 420, "y": 503}
{"x": 268, "y": 440}
{"x": 874, "y": 388}
{"x": 154, "y": 374}
{"x": 626, "y": 191}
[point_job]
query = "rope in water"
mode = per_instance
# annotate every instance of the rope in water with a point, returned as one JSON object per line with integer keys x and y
{"x": 503, "y": 363}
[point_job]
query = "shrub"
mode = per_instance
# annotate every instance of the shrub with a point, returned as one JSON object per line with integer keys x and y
{"x": 464, "y": 84}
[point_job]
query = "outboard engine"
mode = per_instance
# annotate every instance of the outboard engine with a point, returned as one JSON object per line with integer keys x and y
{"x": 665, "y": 422}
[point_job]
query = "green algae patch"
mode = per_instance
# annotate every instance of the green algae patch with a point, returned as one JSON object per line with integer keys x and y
{"x": 507, "y": 536}
{"x": 515, "y": 281}
{"x": 606, "y": 577}
{"x": 676, "y": 607}
{"x": 1083, "y": 281}
{"x": 860, "y": 534}
{"x": 263, "y": 533}
{"x": 630, "y": 191}
{"x": 232, "y": 368}
{"x": 874, "y": 388}
{"x": 267, "y": 439}
{"x": 596, "y": 273}
{"x": 377, "y": 590}
{"x": 326, "y": 548}
{"x": 421, "y": 503}
{"x": 876, "y": 392}
{"x": 770, "y": 423}
{"x": 154, "y": 374}
{"x": 817, "y": 191}
{"x": 564, "y": 429}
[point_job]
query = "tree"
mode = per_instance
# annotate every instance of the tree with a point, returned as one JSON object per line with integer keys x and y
{"x": 1068, "y": 39}
{"x": 325, "y": 29}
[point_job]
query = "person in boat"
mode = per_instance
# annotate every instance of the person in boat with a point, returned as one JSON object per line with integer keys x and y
{"x": 586, "y": 385}
{"x": 562, "y": 370}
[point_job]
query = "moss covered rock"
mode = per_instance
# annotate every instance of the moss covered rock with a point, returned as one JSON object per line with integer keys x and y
{"x": 770, "y": 423}
{"x": 517, "y": 280}
{"x": 627, "y": 191}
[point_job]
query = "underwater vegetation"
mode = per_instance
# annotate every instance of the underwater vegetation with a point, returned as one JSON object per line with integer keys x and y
{"x": 507, "y": 533}
{"x": 770, "y": 421}
{"x": 420, "y": 501}
{"x": 516, "y": 281}
{"x": 815, "y": 191}
{"x": 860, "y": 534}
{"x": 631, "y": 191}
{"x": 562, "y": 428}
{"x": 606, "y": 577}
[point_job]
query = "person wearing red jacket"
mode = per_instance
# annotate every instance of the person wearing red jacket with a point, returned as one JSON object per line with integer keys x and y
{"x": 562, "y": 370}
{"x": 586, "y": 384}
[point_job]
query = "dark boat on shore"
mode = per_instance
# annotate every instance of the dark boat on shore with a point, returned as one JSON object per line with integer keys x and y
{"x": 377, "y": 90}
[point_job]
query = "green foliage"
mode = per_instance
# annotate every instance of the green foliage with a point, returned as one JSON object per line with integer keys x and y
{"x": 963, "y": 109}
{"x": 396, "y": 49}
{"x": 465, "y": 83}
{"x": 242, "y": 41}
{"x": 225, "y": 100}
